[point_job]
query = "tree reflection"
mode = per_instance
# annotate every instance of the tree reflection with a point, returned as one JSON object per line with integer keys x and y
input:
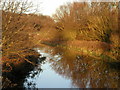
{"x": 85, "y": 71}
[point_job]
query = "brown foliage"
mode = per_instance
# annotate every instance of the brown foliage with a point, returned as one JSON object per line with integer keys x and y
{"x": 95, "y": 21}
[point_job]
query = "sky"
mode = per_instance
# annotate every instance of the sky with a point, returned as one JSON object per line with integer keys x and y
{"x": 48, "y": 7}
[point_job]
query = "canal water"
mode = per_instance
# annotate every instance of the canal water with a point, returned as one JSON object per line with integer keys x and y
{"x": 48, "y": 78}
{"x": 62, "y": 68}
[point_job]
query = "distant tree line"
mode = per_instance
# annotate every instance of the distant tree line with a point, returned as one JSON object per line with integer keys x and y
{"x": 88, "y": 21}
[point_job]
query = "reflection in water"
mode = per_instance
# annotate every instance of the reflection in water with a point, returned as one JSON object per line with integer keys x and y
{"x": 29, "y": 83}
{"x": 84, "y": 71}
{"x": 48, "y": 78}
{"x": 73, "y": 68}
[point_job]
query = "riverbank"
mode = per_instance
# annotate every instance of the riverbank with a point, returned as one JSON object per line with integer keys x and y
{"x": 16, "y": 67}
{"x": 96, "y": 49}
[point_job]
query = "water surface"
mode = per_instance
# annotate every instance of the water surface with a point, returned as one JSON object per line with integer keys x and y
{"x": 65, "y": 68}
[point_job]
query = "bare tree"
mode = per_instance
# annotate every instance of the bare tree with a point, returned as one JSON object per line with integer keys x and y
{"x": 91, "y": 21}
{"x": 14, "y": 39}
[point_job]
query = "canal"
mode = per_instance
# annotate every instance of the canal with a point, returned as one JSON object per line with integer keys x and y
{"x": 63, "y": 68}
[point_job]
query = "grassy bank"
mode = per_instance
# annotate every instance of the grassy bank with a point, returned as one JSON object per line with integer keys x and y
{"x": 96, "y": 49}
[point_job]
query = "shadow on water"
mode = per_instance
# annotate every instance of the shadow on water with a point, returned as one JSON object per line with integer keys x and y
{"x": 17, "y": 75}
{"x": 65, "y": 68}
{"x": 83, "y": 71}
